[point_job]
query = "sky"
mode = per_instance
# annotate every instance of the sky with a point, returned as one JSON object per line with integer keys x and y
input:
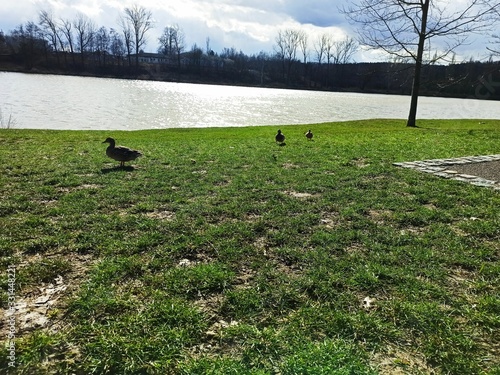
{"x": 247, "y": 25}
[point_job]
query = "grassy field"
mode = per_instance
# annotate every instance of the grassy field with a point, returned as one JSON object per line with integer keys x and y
{"x": 220, "y": 252}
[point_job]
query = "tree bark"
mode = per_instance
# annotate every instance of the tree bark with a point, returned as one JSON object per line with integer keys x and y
{"x": 415, "y": 90}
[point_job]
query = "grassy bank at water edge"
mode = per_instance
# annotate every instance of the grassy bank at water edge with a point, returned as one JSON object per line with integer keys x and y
{"x": 220, "y": 252}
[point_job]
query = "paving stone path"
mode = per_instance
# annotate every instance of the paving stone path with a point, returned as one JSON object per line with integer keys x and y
{"x": 447, "y": 168}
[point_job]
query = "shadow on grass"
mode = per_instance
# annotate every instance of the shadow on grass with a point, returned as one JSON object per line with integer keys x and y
{"x": 127, "y": 168}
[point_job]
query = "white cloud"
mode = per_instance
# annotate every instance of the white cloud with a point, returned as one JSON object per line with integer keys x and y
{"x": 249, "y": 25}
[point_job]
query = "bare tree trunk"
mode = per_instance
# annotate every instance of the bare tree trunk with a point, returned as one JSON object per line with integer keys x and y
{"x": 418, "y": 68}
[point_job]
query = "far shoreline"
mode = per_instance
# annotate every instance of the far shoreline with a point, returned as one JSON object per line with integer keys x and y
{"x": 196, "y": 79}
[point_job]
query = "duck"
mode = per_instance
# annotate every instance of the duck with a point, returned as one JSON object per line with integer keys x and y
{"x": 120, "y": 153}
{"x": 309, "y": 134}
{"x": 280, "y": 137}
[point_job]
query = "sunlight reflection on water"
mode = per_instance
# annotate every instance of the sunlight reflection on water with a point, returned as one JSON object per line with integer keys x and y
{"x": 67, "y": 102}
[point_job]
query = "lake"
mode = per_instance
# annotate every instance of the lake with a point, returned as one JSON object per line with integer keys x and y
{"x": 85, "y": 103}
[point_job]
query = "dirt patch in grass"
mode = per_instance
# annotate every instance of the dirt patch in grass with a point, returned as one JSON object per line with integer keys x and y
{"x": 65, "y": 190}
{"x": 379, "y": 216}
{"x": 412, "y": 230}
{"x": 261, "y": 244}
{"x": 210, "y": 305}
{"x": 395, "y": 361}
{"x": 458, "y": 231}
{"x": 460, "y": 278}
{"x": 290, "y": 166}
{"x": 356, "y": 249}
{"x": 330, "y": 219}
{"x": 161, "y": 215}
{"x": 359, "y": 163}
{"x": 201, "y": 172}
{"x": 244, "y": 278}
{"x": 299, "y": 195}
{"x": 40, "y": 306}
{"x": 47, "y": 202}
{"x": 252, "y": 218}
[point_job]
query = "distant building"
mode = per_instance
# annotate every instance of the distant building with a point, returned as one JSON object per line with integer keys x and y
{"x": 151, "y": 58}
{"x": 186, "y": 59}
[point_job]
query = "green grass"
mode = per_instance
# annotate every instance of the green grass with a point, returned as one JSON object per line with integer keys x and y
{"x": 220, "y": 252}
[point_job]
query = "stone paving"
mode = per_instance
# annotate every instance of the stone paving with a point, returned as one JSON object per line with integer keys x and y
{"x": 444, "y": 168}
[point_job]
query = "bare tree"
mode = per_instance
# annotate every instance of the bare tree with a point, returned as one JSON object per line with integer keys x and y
{"x": 333, "y": 51}
{"x": 196, "y": 54}
{"x": 304, "y": 48}
{"x": 167, "y": 41}
{"x": 85, "y": 30}
{"x": 116, "y": 46}
{"x": 495, "y": 51}
{"x": 496, "y": 39}
{"x": 328, "y": 51}
{"x": 208, "y": 48}
{"x": 172, "y": 42}
{"x": 140, "y": 21}
{"x": 320, "y": 47}
{"x": 27, "y": 40}
{"x": 50, "y": 31}
{"x": 303, "y": 42}
{"x": 67, "y": 31}
{"x": 262, "y": 59}
{"x": 127, "y": 38}
{"x": 287, "y": 43}
{"x": 102, "y": 41}
{"x": 343, "y": 50}
{"x": 404, "y": 27}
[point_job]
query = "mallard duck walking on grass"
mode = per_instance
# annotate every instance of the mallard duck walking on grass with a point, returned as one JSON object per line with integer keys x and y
{"x": 120, "y": 153}
{"x": 309, "y": 134}
{"x": 280, "y": 137}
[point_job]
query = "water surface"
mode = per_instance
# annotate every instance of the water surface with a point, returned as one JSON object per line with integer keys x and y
{"x": 86, "y": 103}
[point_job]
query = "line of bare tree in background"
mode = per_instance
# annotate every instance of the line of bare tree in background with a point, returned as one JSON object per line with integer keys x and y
{"x": 78, "y": 46}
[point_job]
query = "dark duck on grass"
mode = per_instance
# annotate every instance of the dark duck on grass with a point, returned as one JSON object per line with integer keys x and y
{"x": 120, "y": 153}
{"x": 309, "y": 134}
{"x": 280, "y": 137}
